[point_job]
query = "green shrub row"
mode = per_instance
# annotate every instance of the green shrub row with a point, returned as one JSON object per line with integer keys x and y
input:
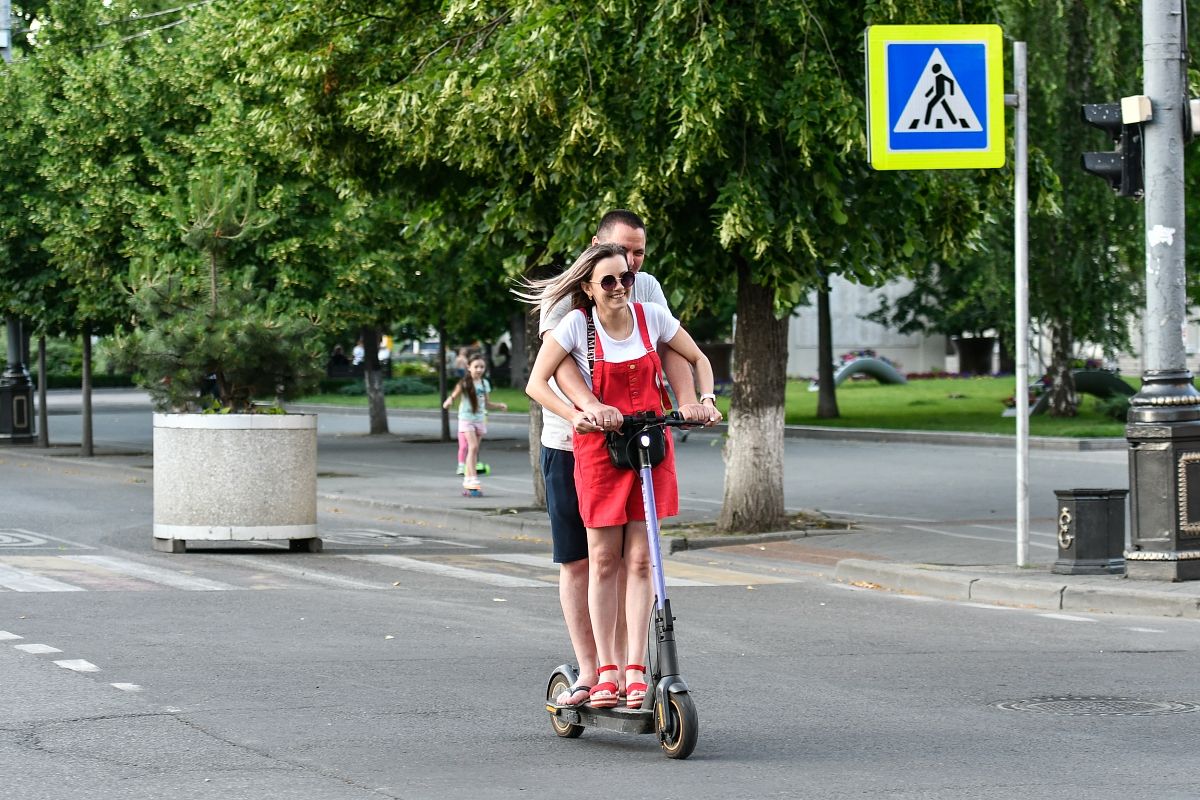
{"x": 391, "y": 386}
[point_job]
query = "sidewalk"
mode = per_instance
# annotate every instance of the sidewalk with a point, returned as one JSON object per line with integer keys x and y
{"x": 406, "y": 472}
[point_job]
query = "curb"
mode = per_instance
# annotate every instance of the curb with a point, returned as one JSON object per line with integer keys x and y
{"x": 955, "y": 584}
{"x": 679, "y": 543}
{"x": 464, "y": 520}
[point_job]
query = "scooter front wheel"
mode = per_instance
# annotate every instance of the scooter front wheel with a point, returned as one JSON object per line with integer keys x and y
{"x": 566, "y": 730}
{"x": 678, "y": 724}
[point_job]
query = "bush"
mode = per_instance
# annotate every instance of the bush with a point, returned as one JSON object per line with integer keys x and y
{"x": 391, "y": 386}
{"x": 1116, "y": 407}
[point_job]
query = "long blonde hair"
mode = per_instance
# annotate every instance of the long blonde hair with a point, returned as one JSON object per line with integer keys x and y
{"x": 548, "y": 292}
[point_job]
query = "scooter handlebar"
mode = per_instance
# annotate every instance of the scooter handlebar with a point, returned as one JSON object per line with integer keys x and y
{"x": 672, "y": 420}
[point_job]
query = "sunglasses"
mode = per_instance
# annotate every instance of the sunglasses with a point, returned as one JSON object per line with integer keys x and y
{"x": 609, "y": 282}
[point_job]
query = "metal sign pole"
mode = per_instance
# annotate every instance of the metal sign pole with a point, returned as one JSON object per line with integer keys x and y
{"x": 1021, "y": 292}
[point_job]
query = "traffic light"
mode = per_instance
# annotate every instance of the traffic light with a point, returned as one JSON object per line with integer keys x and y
{"x": 1122, "y": 168}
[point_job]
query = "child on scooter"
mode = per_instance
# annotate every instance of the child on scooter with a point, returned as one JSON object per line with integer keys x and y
{"x": 473, "y": 393}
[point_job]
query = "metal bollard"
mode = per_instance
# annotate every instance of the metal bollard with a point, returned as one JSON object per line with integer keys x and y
{"x": 1091, "y": 532}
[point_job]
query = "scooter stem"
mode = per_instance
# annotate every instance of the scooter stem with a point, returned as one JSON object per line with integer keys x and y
{"x": 656, "y": 565}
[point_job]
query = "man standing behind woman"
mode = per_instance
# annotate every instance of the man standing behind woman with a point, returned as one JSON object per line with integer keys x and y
{"x": 558, "y": 462}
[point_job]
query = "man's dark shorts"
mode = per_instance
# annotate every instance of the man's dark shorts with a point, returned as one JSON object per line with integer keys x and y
{"x": 566, "y": 526}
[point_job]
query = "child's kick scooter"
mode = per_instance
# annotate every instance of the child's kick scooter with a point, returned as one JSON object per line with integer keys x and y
{"x": 668, "y": 709}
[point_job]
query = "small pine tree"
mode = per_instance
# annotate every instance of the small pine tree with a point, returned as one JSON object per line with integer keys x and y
{"x": 216, "y": 342}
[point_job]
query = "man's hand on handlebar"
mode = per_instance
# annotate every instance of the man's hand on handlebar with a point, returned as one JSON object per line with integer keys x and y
{"x": 701, "y": 414}
{"x": 597, "y": 417}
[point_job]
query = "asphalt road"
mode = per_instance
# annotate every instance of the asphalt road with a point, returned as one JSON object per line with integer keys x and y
{"x": 409, "y": 660}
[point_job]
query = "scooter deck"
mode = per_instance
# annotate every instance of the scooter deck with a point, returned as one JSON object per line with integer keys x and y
{"x": 625, "y": 720}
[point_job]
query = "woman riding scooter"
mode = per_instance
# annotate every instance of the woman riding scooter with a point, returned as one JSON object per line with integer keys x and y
{"x": 613, "y": 343}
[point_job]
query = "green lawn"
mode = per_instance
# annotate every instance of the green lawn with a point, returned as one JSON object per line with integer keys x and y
{"x": 945, "y": 404}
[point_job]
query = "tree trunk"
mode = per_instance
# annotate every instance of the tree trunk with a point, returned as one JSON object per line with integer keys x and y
{"x": 827, "y": 407}
{"x": 43, "y": 414}
{"x": 373, "y": 379}
{"x": 754, "y": 450}
{"x": 443, "y": 388}
{"x": 533, "y": 343}
{"x": 1063, "y": 400}
{"x": 86, "y": 444}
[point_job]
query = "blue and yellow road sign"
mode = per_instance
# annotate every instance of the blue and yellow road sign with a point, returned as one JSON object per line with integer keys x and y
{"x": 935, "y": 96}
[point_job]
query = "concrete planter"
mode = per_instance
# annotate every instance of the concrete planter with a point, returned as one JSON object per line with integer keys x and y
{"x": 235, "y": 477}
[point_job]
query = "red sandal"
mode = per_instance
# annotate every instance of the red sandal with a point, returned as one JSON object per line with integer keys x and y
{"x": 635, "y": 693}
{"x": 604, "y": 694}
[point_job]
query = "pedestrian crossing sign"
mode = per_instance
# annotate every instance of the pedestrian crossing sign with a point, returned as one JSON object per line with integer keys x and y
{"x": 935, "y": 96}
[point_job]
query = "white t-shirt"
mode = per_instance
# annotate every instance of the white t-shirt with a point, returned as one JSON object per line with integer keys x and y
{"x": 556, "y": 431}
{"x": 571, "y": 333}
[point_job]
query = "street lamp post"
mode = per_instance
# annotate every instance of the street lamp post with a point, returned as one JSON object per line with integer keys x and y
{"x": 16, "y": 390}
{"x": 1164, "y": 416}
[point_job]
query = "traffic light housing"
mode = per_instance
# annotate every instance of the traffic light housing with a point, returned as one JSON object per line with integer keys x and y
{"x": 1122, "y": 168}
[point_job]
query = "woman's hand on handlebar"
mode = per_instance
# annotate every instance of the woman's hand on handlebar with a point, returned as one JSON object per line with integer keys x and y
{"x": 701, "y": 414}
{"x": 602, "y": 417}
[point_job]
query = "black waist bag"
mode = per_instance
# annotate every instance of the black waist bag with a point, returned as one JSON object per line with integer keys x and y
{"x": 623, "y": 446}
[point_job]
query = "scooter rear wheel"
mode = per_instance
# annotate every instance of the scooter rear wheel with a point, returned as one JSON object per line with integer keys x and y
{"x": 561, "y": 727}
{"x": 680, "y": 729}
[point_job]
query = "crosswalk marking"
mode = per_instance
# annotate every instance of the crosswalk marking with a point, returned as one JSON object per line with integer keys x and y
{"x": 18, "y": 580}
{"x": 5, "y": 636}
{"x": 36, "y": 649}
{"x": 244, "y": 572}
{"x": 532, "y": 560}
{"x": 164, "y": 577}
{"x": 451, "y": 571}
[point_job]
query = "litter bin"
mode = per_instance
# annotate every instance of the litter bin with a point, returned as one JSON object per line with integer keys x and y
{"x": 1091, "y": 532}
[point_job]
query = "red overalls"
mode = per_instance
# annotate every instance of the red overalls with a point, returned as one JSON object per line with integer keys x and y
{"x": 609, "y": 495}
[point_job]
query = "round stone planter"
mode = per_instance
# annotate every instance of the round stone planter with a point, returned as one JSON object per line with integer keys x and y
{"x": 235, "y": 478}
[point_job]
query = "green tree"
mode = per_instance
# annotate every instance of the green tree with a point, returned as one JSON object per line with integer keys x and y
{"x": 738, "y": 128}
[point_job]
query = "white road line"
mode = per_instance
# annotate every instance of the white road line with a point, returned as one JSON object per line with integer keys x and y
{"x": 5, "y": 636}
{"x": 1013, "y": 531}
{"x": 163, "y": 577}
{"x": 36, "y": 649}
{"x": 21, "y": 581}
{"x": 80, "y": 545}
{"x": 989, "y": 607}
{"x": 875, "y": 516}
{"x": 1066, "y": 617}
{"x": 992, "y": 539}
{"x": 1145, "y": 630}
{"x": 272, "y": 565}
{"x": 449, "y": 571}
{"x": 78, "y": 665}
{"x": 531, "y": 560}
{"x": 126, "y": 687}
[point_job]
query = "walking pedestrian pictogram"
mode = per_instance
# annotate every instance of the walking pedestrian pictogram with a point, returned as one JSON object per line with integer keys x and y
{"x": 934, "y": 96}
{"x": 937, "y": 103}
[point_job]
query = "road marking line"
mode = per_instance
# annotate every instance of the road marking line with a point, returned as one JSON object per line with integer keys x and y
{"x": 1146, "y": 630}
{"x": 164, "y": 577}
{"x": 78, "y": 665}
{"x": 531, "y": 560}
{"x": 269, "y": 564}
{"x": 992, "y": 539}
{"x": 1013, "y": 531}
{"x": 989, "y": 607}
{"x": 1066, "y": 617}
{"x": 126, "y": 687}
{"x": 5, "y": 636}
{"x": 36, "y": 649}
{"x": 80, "y": 545}
{"x": 21, "y": 581}
{"x": 448, "y": 571}
{"x": 875, "y": 516}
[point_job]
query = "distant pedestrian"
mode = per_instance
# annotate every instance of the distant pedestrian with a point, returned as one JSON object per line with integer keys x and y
{"x": 473, "y": 394}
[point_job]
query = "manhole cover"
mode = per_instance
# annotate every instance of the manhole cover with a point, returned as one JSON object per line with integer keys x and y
{"x": 1069, "y": 706}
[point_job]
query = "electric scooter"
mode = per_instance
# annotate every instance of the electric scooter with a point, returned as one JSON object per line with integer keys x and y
{"x": 668, "y": 709}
